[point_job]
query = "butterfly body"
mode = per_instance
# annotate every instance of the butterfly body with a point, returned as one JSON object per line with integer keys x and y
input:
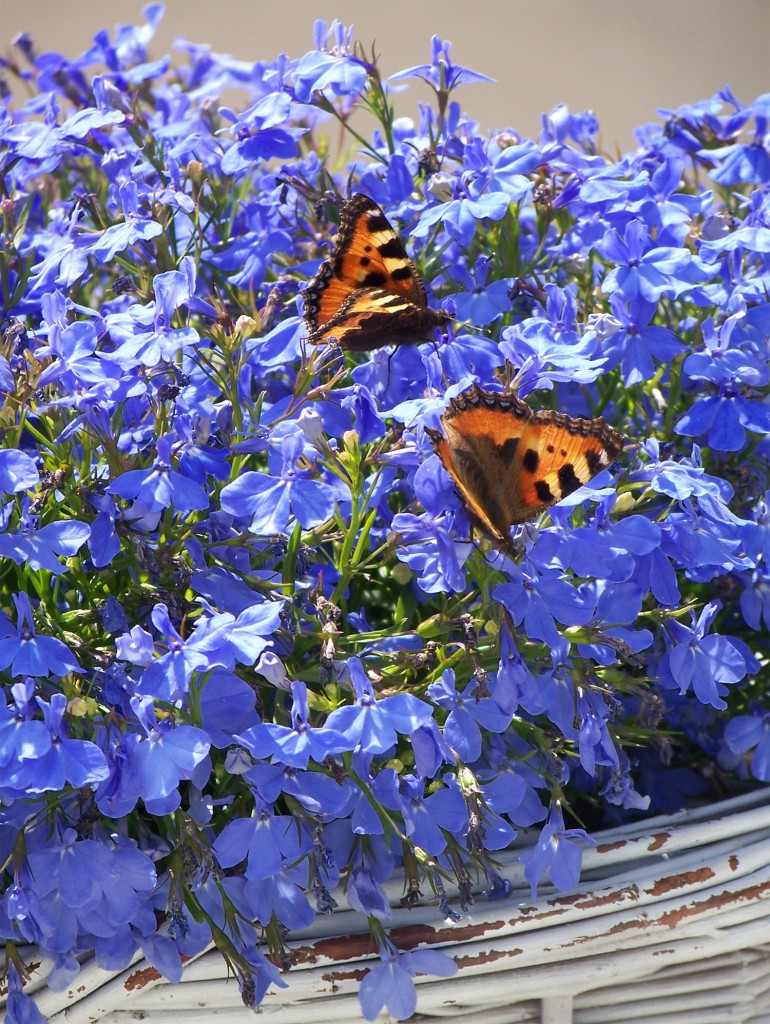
{"x": 368, "y": 293}
{"x": 510, "y": 463}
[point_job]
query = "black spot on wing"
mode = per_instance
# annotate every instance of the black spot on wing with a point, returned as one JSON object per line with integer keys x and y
{"x": 374, "y": 279}
{"x": 568, "y": 480}
{"x": 543, "y": 492}
{"x": 378, "y": 222}
{"x": 391, "y": 250}
{"x": 401, "y": 274}
{"x": 531, "y": 460}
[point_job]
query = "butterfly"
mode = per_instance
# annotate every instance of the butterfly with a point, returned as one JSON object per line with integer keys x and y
{"x": 368, "y": 293}
{"x": 510, "y": 463}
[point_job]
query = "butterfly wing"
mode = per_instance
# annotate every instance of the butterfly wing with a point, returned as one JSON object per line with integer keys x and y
{"x": 510, "y": 463}
{"x": 559, "y": 453}
{"x": 367, "y": 253}
{"x": 372, "y": 317}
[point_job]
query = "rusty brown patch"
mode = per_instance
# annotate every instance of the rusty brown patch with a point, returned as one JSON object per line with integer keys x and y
{"x": 733, "y": 861}
{"x": 139, "y": 979}
{"x": 679, "y": 881}
{"x": 304, "y": 955}
{"x": 616, "y": 929}
{"x": 488, "y": 957}
{"x": 537, "y": 913}
{"x": 337, "y": 976}
{"x": 584, "y": 902}
{"x": 409, "y": 936}
{"x": 658, "y": 840}
{"x": 342, "y": 947}
{"x": 609, "y": 847}
{"x": 724, "y": 899}
{"x": 350, "y": 947}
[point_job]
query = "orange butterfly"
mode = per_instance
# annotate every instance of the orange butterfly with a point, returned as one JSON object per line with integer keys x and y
{"x": 510, "y": 463}
{"x": 368, "y": 293}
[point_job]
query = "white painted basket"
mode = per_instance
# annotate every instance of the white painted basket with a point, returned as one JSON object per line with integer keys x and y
{"x": 669, "y": 926}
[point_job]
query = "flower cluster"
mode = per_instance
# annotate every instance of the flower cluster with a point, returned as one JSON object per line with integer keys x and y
{"x": 255, "y": 659}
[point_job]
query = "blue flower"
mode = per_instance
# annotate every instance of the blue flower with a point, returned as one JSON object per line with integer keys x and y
{"x": 37, "y": 547}
{"x": 135, "y": 227}
{"x": 556, "y": 854}
{"x": 428, "y": 820}
{"x": 21, "y": 1008}
{"x": 160, "y": 486}
{"x": 30, "y": 653}
{"x": 22, "y": 736}
{"x": 167, "y": 754}
{"x": 608, "y": 549}
{"x": 374, "y": 724}
{"x": 428, "y": 549}
{"x": 390, "y": 985}
{"x": 145, "y": 334}
{"x": 725, "y": 416}
{"x": 167, "y": 677}
{"x": 538, "y": 598}
{"x": 467, "y": 711}
{"x": 636, "y": 342}
{"x": 268, "y": 502}
{"x": 701, "y": 661}
{"x": 279, "y": 896}
{"x": 294, "y": 745}
{"x": 441, "y": 73}
{"x": 339, "y": 70}
{"x": 723, "y": 361}
{"x": 751, "y": 731}
{"x": 646, "y": 272}
{"x": 259, "y": 841}
{"x": 755, "y": 600}
{"x": 262, "y": 132}
{"x": 66, "y": 760}
{"x": 460, "y": 216}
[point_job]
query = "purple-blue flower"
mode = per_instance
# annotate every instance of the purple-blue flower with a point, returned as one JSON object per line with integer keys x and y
{"x": 390, "y": 985}
{"x": 557, "y": 854}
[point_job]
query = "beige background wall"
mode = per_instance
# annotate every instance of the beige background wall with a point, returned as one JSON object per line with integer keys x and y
{"x": 621, "y": 58}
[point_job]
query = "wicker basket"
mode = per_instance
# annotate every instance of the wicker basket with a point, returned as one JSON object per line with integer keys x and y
{"x": 668, "y": 925}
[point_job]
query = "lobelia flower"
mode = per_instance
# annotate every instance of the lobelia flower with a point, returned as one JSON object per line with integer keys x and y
{"x": 30, "y": 653}
{"x": 269, "y": 503}
{"x": 374, "y": 724}
{"x": 705, "y": 662}
{"x": 338, "y": 69}
{"x": 21, "y": 1008}
{"x": 747, "y": 732}
{"x": 160, "y": 486}
{"x": 37, "y": 546}
{"x": 540, "y": 599}
{"x": 390, "y": 984}
{"x": 644, "y": 271}
{"x": 165, "y": 755}
{"x": 467, "y": 712}
{"x": 556, "y": 854}
{"x": 441, "y": 73}
{"x": 636, "y": 342}
{"x": 294, "y": 745}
